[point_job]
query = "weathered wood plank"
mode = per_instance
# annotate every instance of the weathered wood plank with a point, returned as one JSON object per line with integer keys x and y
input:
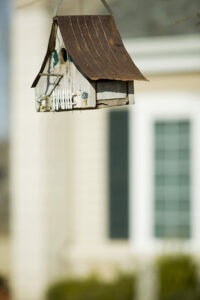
{"x": 81, "y": 85}
{"x": 111, "y": 90}
{"x": 131, "y": 92}
{"x": 111, "y": 103}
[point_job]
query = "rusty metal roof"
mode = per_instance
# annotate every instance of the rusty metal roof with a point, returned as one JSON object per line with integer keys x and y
{"x": 96, "y": 48}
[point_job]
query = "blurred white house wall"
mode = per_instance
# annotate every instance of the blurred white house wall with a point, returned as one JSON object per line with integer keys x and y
{"x": 5, "y": 255}
{"x": 58, "y": 172}
{"x": 171, "y": 96}
{"x": 60, "y": 168}
{"x": 4, "y": 210}
{"x": 166, "y": 55}
{"x": 28, "y": 175}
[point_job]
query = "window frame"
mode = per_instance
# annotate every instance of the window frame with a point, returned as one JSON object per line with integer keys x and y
{"x": 168, "y": 106}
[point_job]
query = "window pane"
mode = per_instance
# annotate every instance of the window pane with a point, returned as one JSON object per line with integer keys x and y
{"x": 172, "y": 179}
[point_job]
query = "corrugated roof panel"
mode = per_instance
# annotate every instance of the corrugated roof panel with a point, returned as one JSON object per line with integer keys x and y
{"x": 96, "y": 48}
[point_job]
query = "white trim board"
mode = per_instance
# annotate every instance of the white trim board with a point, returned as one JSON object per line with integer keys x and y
{"x": 150, "y": 108}
{"x": 158, "y": 55}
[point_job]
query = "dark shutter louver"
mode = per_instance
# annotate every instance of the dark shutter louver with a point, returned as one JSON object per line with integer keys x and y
{"x": 118, "y": 175}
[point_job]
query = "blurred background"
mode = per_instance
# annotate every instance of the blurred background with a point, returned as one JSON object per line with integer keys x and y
{"x": 102, "y": 204}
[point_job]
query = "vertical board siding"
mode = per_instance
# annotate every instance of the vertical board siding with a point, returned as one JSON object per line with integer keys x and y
{"x": 118, "y": 175}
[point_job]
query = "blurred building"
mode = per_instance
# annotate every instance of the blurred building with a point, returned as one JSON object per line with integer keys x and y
{"x": 4, "y": 141}
{"x": 93, "y": 191}
{"x": 4, "y": 210}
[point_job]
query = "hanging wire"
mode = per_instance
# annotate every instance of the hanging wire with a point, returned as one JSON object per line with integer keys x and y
{"x": 59, "y": 2}
{"x": 107, "y": 6}
{"x": 195, "y": 16}
{"x": 185, "y": 19}
{"x": 57, "y": 5}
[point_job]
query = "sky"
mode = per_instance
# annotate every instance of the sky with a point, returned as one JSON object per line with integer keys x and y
{"x": 4, "y": 69}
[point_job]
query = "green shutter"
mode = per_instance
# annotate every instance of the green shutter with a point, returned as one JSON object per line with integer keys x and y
{"x": 118, "y": 175}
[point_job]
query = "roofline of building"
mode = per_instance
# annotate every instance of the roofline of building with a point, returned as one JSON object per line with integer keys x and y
{"x": 164, "y": 55}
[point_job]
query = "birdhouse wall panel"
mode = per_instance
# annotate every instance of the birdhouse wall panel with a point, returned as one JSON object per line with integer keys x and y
{"x": 112, "y": 102}
{"x": 61, "y": 86}
{"x": 84, "y": 89}
{"x": 131, "y": 92}
{"x": 111, "y": 89}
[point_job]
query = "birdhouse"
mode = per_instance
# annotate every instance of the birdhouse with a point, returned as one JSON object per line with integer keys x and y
{"x": 86, "y": 66}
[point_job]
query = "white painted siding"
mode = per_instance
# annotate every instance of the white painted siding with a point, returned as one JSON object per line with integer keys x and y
{"x": 59, "y": 172}
{"x": 27, "y": 157}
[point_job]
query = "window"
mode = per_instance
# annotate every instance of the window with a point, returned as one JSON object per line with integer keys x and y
{"x": 118, "y": 175}
{"x": 172, "y": 179}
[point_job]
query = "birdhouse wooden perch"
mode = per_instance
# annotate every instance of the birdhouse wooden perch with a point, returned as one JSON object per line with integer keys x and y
{"x": 86, "y": 66}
